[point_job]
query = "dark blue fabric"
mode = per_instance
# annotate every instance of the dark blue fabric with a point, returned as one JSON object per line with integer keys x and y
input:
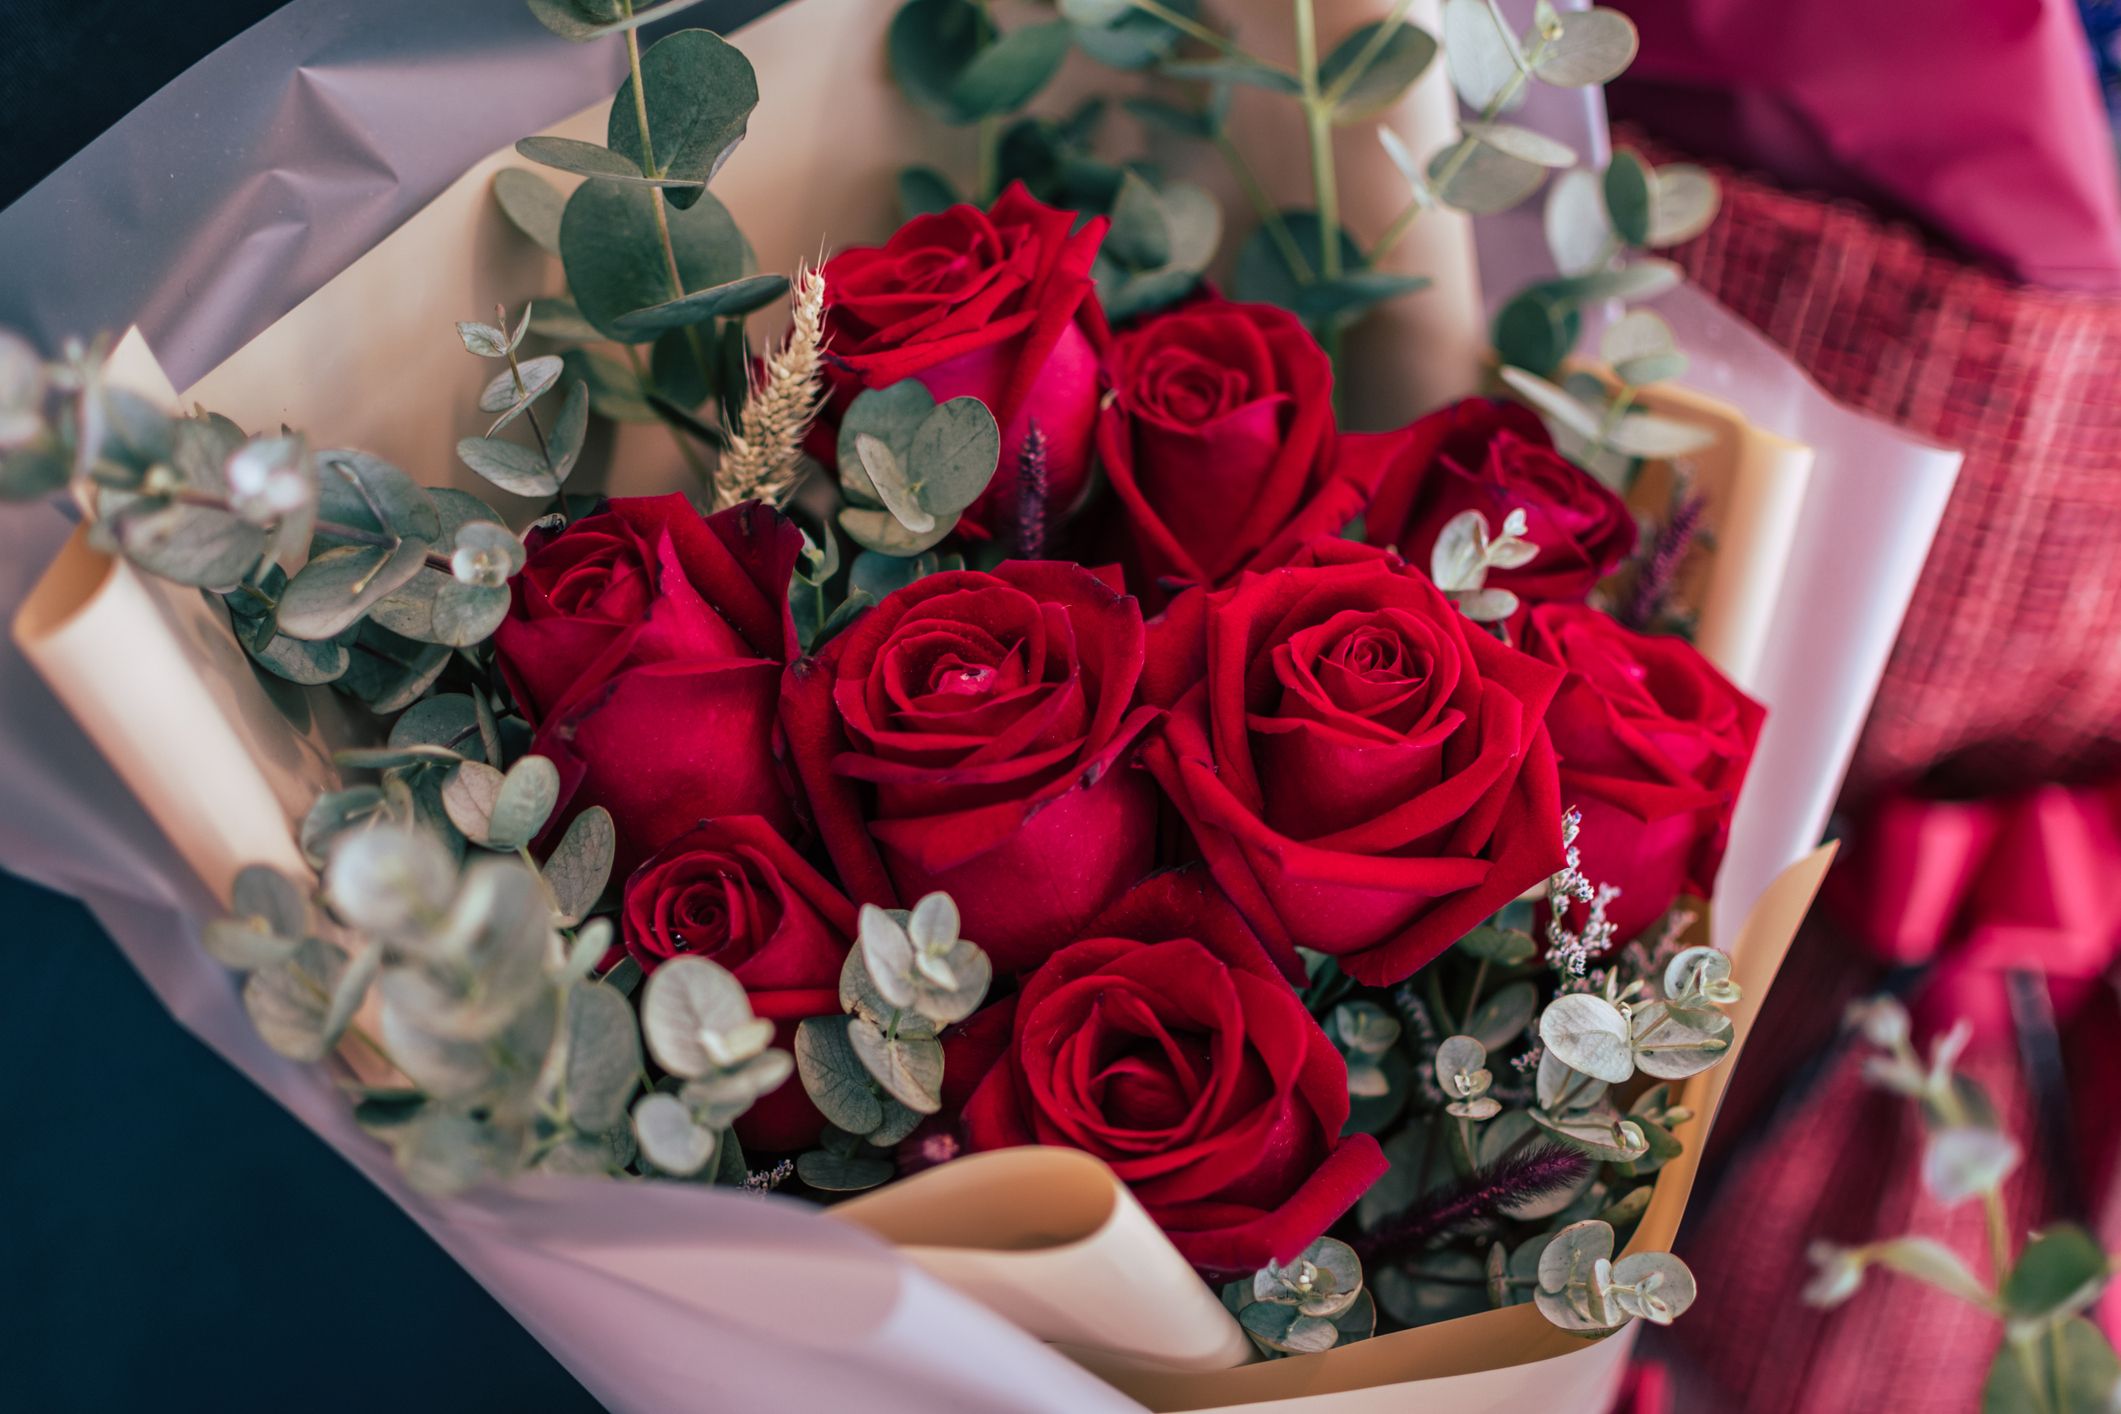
{"x": 170, "y": 1239}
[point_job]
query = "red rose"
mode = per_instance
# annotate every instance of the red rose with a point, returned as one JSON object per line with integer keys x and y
{"x": 645, "y": 645}
{"x": 1496, "y": 458}
{"x": 997, "y": 305}
{"x": 1654, "y": 743}
{"x": 734, "y": 892}
{"x": 1165, "y": 1044}
{"x": 1364, "y": 769}
{"x": 971, "y": 733}
{"x": 1219, "y": 439}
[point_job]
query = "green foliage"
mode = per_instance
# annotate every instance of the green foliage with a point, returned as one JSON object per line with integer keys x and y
{"x": 909, "y": 466}
{"x": 1312, "y": 1303}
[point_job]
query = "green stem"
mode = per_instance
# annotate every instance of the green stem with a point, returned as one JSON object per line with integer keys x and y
{"x": 1318, "y": 127}
{"x": 1276, "y": 228}
{"x": 990, "y": 158}
{"x": 351, "y": 534}
{"x": 1396, "y": 232}
{"x": 1480, "y": 979}
{"x": 1195, "y": 29}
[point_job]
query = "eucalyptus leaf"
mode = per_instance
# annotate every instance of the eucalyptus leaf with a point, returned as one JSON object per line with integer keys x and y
{"x": 368, "y": 493}
{"x": 291, "y": 1002}
{"x": 580, "y": 864}
{"x": 954, "y": 454}
{"x": 1476, "y": 177}
{"x": 614, "y": 258}
{"x": 1552, "y": 402}
{"x": 909, "y": 1068}
{"x": 603, "y": 1055}
{"x": 1588, "y": 1033}
{"x": 2081, "y": 1375}
{"x": 1004, "y": 76}
{"x": 1593, "y": 47}
{"x": 737, "y": 297}
{"x": 336, "y": 587}
{"x": 832, "y": 1173}
{"x": 513, "y": 467}
{"x": 593, "y": 19}
{"x": 882, "y": 532}
{"x": 587, "y": 159}
{"x": 1575, "y": 222}
{"x": 1682, "y": 204}
{"x": 1246, "y": 73}
{"x": 669, "y": 1138}
{"x": 465, "y": 614}
{"x": 1482, "y": 56}
{"x": 304, "y": 662}
{"x": 533, "y": 204}
{"x": 444, "y": 1152}
{"x": 1395, "y": 62}
{"x": 834, "y": 1077}
{"x": 1503, "y": 1017}
{"x": 930, "y": 44}
{"x": 697, "y": 1017}
{"x": 700, "y": 93}
{"x": 922, "y": 191}
{"x": 1648, "y": 435}
{"x": 1627, "y": 197}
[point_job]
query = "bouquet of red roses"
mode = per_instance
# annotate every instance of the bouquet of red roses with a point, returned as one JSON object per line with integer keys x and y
{"x": 1047, "y": 726}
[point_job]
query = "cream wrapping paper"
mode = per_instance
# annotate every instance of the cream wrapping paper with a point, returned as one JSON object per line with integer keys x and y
{"x": 674, "y": 1295}
{"x": 1035, "y": 1243}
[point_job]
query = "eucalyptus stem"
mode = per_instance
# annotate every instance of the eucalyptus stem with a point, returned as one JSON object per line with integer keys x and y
{"x": 1480, "y": 979}
{"x": 990, "y": 158}
{"x": 1396, "y": 232}
{"x": 1318, "y": 127}
{"x": 515, "y": 372}
{"x": 1270, "y": 219}
{"x": 1195, "y": 29}
{"x": 337, "y": 530}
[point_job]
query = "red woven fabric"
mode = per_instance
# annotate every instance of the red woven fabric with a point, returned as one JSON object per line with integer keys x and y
{"x": 2007, "y": 667}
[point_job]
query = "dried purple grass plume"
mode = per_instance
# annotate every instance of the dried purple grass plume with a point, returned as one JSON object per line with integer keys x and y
{"x": 1031, "y": 493}
{"x": 1475, "y": 1201}
{"x": 1660, "y": 567}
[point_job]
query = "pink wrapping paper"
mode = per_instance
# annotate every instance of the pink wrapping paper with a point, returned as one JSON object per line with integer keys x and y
{"x": 1979, "y": 118}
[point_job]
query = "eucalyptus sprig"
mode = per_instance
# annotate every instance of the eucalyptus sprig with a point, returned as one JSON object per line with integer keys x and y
{"x": 1314, "y": 1302}
{"x": 877, "y": 1072}
{"x": 334, "y": 565}
{"x": 655, "y": 265}
{"x": 2052, "y": 1360}
{"x": 1525, "y": 1098}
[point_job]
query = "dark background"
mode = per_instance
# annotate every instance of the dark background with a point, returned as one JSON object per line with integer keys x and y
{"x": 169, "y": 1238}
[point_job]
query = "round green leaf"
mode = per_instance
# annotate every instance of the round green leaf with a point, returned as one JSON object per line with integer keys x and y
{"x": 881, "y": 531}
{"x": 692, "y": 1006}
{"x": 593, "y": 19}
{"x": 603, "y": 1055}
{"x": 614, "y": 255}
{"x": 532, "y": 203}
{"x": 1390, "y": 69}
{"x": 465, "y": 614}
{"x": 701, "y": 90}
{"x": 1594, "y": 47}
{"x": 1627, "y": 197}
{"x": 1588, "y": 1033}
{"x": 1476, "y": 177}
{"x": 835, "y": 1173}
{"x": 580, "y": 865}
{"x": 1482, "y": 56}
{"x": 586, "y": 159}
{"x": 526, "y": 797}
{"x": 930, "y": 44}
{"x": 1004, "y": 75}
{"x": 336, "y": 587}
{"x": 891, "y": 415}
{"x": 292, "y": 1002}
{"x": 954, "y": 455}
{"x": 834, "y": 1076}
{"x": 512, "y": 466}
{"x": 357, "y": 489}
{"x": 909, "y": 1068}
{"x": 1525, "y": 144}
{"x": 669, "y": 1139}
{"x": 740, "y": 296}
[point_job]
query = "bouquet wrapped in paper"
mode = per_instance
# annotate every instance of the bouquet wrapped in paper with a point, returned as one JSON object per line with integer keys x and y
{"x": 1259, "y": 908}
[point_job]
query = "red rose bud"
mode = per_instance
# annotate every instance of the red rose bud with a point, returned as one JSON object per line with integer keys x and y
{"x": 996, "y": 305}
{"x": 1219, "y": 440}
{"x": 1654, "y": 744}
{"x": 1165, "y": 1044}
{"x": 645, "y": 645}
{"x": 1496, "y": 458}
{"x": 734, "y": 892}
{"x": 973, "y": 733}
{"x": 1364, "y": 769}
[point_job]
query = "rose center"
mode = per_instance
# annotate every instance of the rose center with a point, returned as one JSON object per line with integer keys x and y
{"x": 960, "y": 679}
{"x": 1190, "y": 389}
